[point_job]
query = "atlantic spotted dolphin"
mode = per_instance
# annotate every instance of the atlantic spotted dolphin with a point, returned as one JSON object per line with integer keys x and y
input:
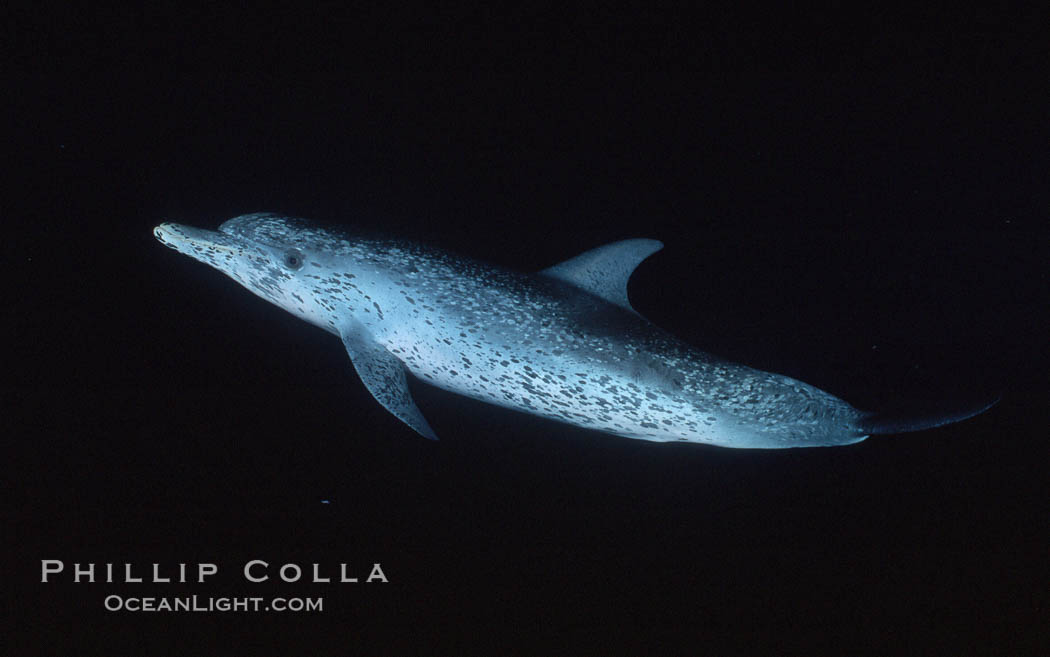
{"x": 563, "y": 343}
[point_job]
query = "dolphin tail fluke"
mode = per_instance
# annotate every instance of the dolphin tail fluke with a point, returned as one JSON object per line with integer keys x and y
{"x": 882, "y": 423}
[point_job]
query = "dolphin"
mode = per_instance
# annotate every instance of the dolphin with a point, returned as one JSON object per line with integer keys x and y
{"x": 563, "y": 343}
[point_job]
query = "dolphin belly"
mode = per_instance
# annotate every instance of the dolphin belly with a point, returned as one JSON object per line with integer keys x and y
{"x": 599, "y": 392}
{"x": 565, "y": 390}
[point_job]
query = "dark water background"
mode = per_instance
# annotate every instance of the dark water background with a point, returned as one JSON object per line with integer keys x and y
{"x": 879, "y": 234}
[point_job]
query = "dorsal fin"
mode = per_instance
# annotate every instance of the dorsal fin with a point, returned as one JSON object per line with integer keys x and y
{"x": 604, "y": 271}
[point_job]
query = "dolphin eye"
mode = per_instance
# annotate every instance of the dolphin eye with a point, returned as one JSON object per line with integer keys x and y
{"x": 293, "y": 259}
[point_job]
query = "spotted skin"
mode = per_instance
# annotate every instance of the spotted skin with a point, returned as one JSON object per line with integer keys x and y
{"x": 532, "y": 342}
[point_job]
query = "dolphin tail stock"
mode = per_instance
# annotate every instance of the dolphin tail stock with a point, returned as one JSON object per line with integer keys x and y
{"x": 890, "y": 422}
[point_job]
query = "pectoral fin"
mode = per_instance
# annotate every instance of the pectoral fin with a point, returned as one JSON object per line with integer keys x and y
{"x": 384, "y": 376}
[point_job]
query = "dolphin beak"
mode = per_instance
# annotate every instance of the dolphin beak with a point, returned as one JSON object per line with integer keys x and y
{"x": 181, "y": 237}
{"x": 207, "y": 246}
{"x": 177, "y": 235}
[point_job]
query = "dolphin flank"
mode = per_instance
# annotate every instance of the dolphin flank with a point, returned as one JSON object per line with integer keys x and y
{"x": 563, "y": 343}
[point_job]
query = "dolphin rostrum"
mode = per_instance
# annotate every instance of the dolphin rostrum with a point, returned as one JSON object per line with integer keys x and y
{"x": 563, "y": 344}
